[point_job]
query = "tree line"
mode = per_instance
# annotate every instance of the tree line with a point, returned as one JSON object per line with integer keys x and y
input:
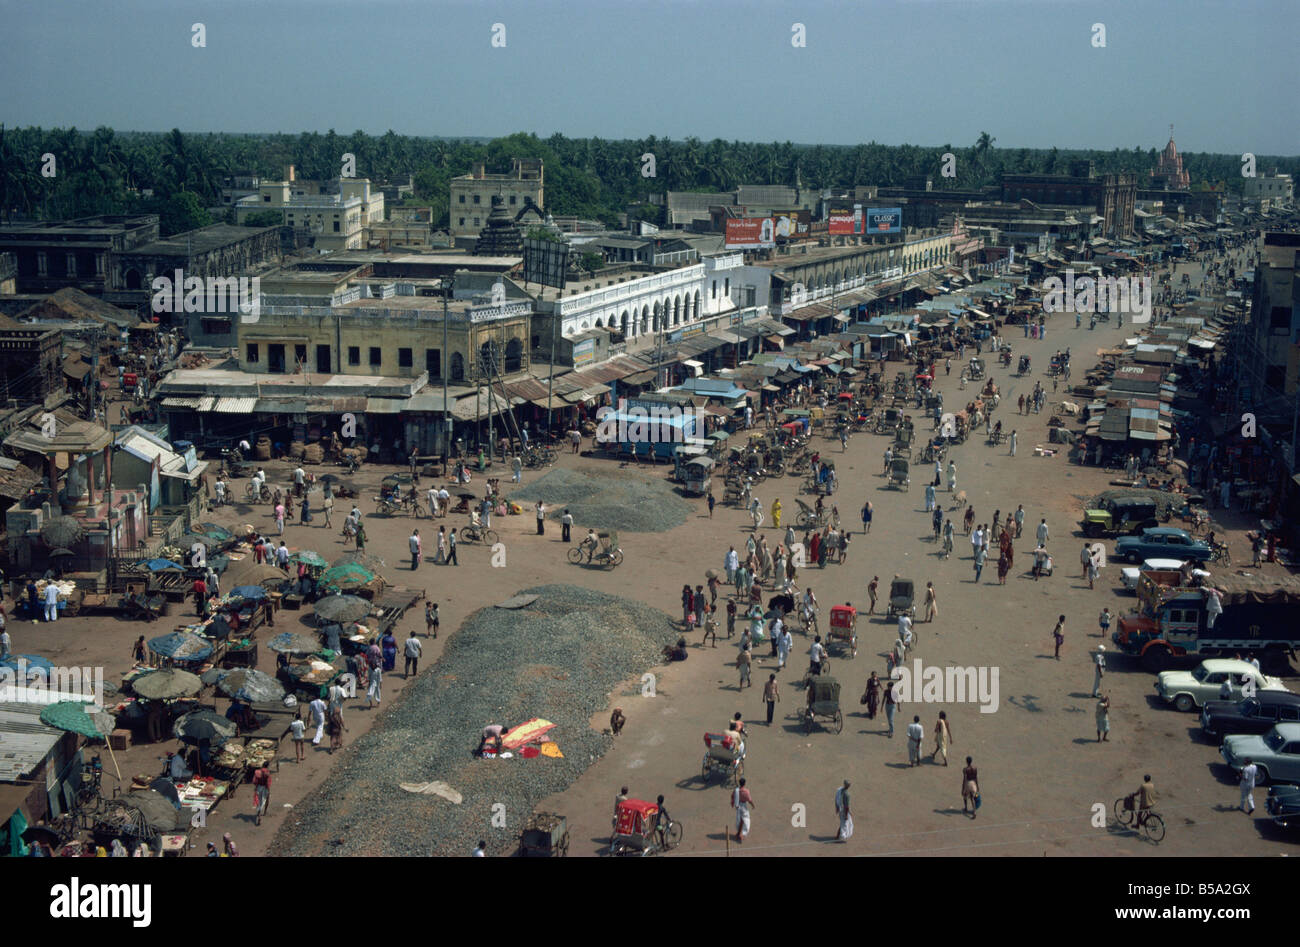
{"x": 179, "y": 176}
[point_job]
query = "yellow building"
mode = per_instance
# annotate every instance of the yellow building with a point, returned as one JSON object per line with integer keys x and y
{"x": 338, "y": 219}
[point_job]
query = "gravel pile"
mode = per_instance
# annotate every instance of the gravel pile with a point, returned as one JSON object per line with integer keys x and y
{"x": 559, "y": 658}
{"x": 617, "y": 499}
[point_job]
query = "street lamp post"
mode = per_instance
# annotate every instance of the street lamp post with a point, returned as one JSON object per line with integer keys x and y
{"x": 444, "y": 364}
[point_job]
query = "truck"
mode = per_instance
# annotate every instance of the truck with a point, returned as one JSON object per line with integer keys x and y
{"x": 1177, "y": 621}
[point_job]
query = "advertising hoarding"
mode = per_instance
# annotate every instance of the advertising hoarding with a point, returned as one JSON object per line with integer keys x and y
{"x": 884, "y": 220}
{"x": 751, "y": 233}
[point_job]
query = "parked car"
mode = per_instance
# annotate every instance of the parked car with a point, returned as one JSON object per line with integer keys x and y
{"x": 1162, "y": 542}
{"x": 1276, "y": 753}
{"x": 1129, "y": 574}
{"x": 1258, "y": 714}
{"x": 1187, "y": 690}
{"x": 1283, "y": 804}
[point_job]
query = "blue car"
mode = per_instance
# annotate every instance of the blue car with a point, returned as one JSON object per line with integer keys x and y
{"x": 1162, "y": 542}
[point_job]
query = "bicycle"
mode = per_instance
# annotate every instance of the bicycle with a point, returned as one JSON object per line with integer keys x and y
{"x": 253, "y": 495}
{"x": 1219, "y": 553}
{"x": 474, "y": 534}
{"x": 1149, "y": 820}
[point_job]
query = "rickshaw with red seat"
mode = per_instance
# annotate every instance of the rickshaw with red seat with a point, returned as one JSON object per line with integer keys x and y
{"x": 636, "y": 829}
{"x": 843, "y": 629}
{"x": 724, "y": 752}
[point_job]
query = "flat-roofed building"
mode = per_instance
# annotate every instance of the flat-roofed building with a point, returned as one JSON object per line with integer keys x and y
{"x": 471, "y": 194}
{"x": 56, "y": 254}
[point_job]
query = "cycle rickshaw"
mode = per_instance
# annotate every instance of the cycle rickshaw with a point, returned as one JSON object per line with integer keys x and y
{"x": 607, "y": 554}
{"x": 636, "y": 830}
{"x": 722, "y": 753}
{"x": 843, "y": 629}
{"x": 823, "y": 704}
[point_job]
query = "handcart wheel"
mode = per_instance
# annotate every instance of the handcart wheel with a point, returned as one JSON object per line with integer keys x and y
{"x": 853, "y": 646}
{"x": 808, "y": 722}
{"x": 705, "y": 769}
{"x": 575, "y": 555}
{"x": 615, "y": 558}
{"x": 563, "y": 847}
{"x": 491, "y": 536}
{"x": 839, "y": 720}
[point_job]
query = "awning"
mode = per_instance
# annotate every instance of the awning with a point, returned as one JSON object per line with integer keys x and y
{"x": 234, "y": 405}
{"x": 181, "y": 474}
{"x": 692, "y": 363}
{"x": 384, "y": 405}
{"x": 190, "y": 403}
{"x": 842, "y": 318}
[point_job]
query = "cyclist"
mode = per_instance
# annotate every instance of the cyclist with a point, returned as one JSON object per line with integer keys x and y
{"x": 590, "y": 544}
{"x": 1146, "y": 798}
{"x": 661, "y": 823}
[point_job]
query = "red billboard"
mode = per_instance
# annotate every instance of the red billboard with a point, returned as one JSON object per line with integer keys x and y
{"x": 751, "y": 233}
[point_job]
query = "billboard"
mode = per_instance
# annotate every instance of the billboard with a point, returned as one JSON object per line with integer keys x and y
{"x": 884, "y": 220}
{"x": 545, "y": 262}
{"x": 751, "y": 233}
{"x": 792, "y": 223}
{"x": 845, "y": 219}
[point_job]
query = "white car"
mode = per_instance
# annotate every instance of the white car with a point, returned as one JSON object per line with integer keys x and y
{"x": 1129, "y": 574}
{"x": 1189, "y": 690}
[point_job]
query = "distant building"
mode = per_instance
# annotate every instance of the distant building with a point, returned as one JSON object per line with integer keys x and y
{"x": 501, "y": 236}
{"x": 31, "y": 368}
{"x": 471, "y": 194}
{"x": 1168, "y": 172}
{"x": 8, "y": 274}
{"x": 337, "y": 214}
{"x": 1274, "y": 188}
{"x": 1113, "y": 197}
{"x": 55, "y": 254}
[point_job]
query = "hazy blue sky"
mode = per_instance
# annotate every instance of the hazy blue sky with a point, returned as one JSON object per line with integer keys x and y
{"x": 925, "y": 71}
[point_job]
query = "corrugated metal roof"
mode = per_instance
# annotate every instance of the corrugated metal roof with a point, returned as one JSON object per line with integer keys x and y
{"x": 189, "y": 403}
{"x": 24, "y": 740}
{"x": 384, "y": 405}
{"x": 286, "y": 405}
{"x": 234, "y": 405}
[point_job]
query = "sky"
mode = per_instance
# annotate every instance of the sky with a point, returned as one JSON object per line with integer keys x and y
{"x": 927, "y": 72}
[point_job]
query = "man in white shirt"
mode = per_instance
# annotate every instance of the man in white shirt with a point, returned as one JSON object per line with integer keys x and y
{"x": 731, "y": 563}
{"x": 282, "y": 556}
{"x": 915, "y": 734}
{"x": 414, "y": 543}
{"x": 299, "y": 481}
{"x": 444, "y": 501}
{"x": 51, "y": 602}
{"x": 977, "y": 538}
{"x": 413, "y": 651}
{"x": 905, "y": 629}
{"x": 1249, "y": 773}
{"x": 317, "y": 708}
{"x": 5, "y": 640}
{"x": 817, "y": 655}
{"x": 432, "y": 496}
{"x": 221, "y": 492}
{"x": 1042, "y": 532}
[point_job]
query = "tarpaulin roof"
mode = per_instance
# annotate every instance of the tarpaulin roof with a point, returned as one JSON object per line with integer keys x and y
{"x": 1239, "y": 589}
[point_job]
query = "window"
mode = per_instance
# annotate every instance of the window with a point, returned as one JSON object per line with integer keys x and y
{"x": 266, "y": 199}
{"x": 433, "y": 362}
{"x": 403, "y": 358}
{"x": 300, "y": 356}
{"x": 476, "y": 222}
{"x": 512, "y": 199}
{"x": 354, "y": 355}
{"x": 462, "y": 198}
{"x": 477, "y": 199}
{"x": 1288, "y": 714}
{"x": 376, "y": 356}
{"x": 726, "y": 289}
{"x": 251, "y": 352}
{"x": 72, "y": 264}
{"x": 715, "y": 290}
{"x": 336, "y": 226}
{"x": 218, "y": 327}
{"x": 1279, "y": 317}
{"x": 462, "y": 222}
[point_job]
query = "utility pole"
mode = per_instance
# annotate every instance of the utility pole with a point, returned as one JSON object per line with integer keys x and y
{"x": 444, "y": 364}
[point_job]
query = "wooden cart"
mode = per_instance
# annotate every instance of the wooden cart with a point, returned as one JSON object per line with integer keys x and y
{"x": 546, "y": 835}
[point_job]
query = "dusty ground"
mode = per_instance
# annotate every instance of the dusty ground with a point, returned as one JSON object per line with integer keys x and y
{"x": 1040, "y": 768}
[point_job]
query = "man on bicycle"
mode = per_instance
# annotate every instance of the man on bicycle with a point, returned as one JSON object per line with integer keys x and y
{"x": 662, "y": 822}
{"x": 591, "y": 543}
{"x": 1146, "y": 798}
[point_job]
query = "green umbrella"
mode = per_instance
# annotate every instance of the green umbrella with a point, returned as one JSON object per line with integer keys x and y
{"x": 71, "y": 715}
{"x": 349, "y": 575}
{"x": 309, "y": 558}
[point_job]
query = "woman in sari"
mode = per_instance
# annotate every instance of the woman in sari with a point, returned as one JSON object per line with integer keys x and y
{"x": 872, "y": 695}
{"x": 389, "y": 646}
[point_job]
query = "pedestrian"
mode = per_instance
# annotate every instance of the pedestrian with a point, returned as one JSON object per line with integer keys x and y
{"x": 5, "y": 641}
{"x": 871, "y": 593}
{"x": 871, "y": 696}
{"x": 1099, "y": 668}
{"x": 1020, "y": 520}
{"x": 1042, "y": 532}
{"x": 517, "y": 469}
{"x": 431, "y": 619}
{"x": 261, "y": 793}
{"x": 1012, "y": 441}
{"x": 931, "y": 603}
{"x": 1249, "y": 773}
{"x": 929, "y": 497}
{"x": 1092, "y": 571}
{"x": 867, "y": 512}
{"x": 413, "y": 651}
{"x": 52, "y": 600}
{"x": 1021, "y": 405}
{"x": 566, "y": 524}
{"x": 915, "y": 734}
{"x": 317, "y": 708}
{"x": 1058, "y": 636}
{"x": 441, "y": 558}
{"x": 1103, "y": 718}
{"x": 374, "y": 692}
{"x": 742, "y": 802}
{"x": 298, "y": 730}
{"x": 743, "y": 662}
{"x": 942, "y": 737}
{"x": 970, "y": 788}
{"x": 980, "y": 555}
{"x": 279, "y": 517}
{"x": 843, "y": 814}
{"x": 891, "y": 706}
{"x": 541, "y": 518}
{"x": 415, "y": 545}
{"x": 952, "y": 477}
{"x": 451, "y": 548}
{"x": 771, "y": 695}
{"x": 712, "y": 502}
